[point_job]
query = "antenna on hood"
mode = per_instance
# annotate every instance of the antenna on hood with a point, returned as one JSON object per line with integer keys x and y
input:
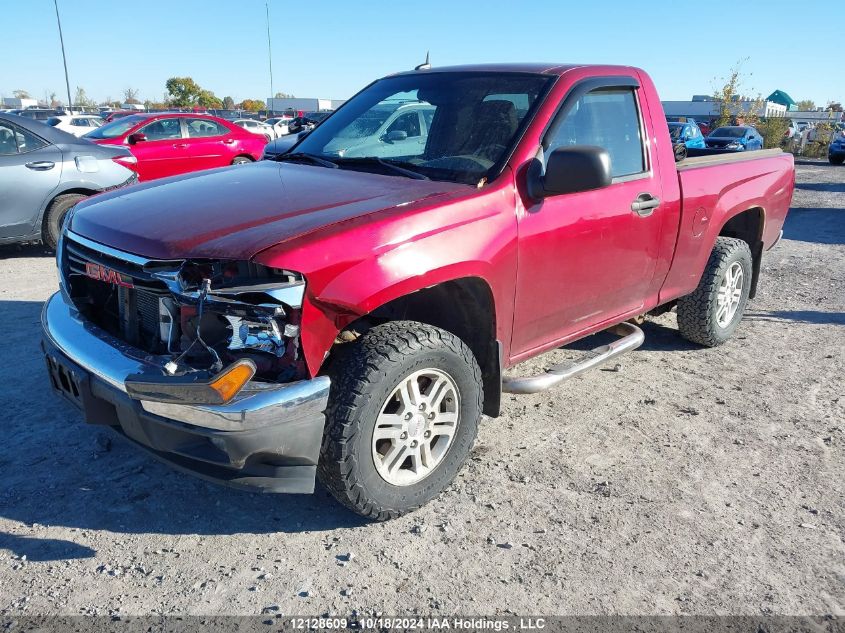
{"x": 425, "y": 65}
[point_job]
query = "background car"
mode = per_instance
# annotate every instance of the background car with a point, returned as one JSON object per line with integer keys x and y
{"x": 256, "y": 127}
{"x": 171, "y": 143}
{"x": 281, "y": 145}
{"x": 306, "y": 122}
{"x": 687, "y": 133}
{"x": 737, "y": 138}
{"x": 75, "y": 124}
{"x": 279, "y": 125}
{"x": 118, "y": 114}
{"x": 45, "y": 171}
{"x": 388, "y": 130}
{"x": 836, "y": 149}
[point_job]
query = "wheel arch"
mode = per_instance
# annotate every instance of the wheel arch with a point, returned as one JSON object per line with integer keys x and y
{"x": 464, "y": 306}
{"x": 748, "y": 226}
{"x": 85, "y": 191}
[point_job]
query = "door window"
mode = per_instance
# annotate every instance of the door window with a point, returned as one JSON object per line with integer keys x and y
{"x": 607, "y": 119}
{"x": 162, "y": 130}
{"x": 14, "y": 140}
{"x": 204, "y": 127}
{"x": 408, "y": 123}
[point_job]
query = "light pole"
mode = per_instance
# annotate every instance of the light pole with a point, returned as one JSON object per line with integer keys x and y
{"x": 64, "y": 57}
{"x": 269, "y": 52}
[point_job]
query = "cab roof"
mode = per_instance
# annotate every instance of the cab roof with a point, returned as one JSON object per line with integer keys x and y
{"x": 525, "y": 67}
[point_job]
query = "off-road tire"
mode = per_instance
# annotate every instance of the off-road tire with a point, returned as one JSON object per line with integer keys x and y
{"x": 51, "y": 225}
{"x": 364, "y": 373}
{"x": 697, "y": 311}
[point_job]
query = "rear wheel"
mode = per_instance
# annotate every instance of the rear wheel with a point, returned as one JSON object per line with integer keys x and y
{"x": 54, "y": 216}
{"x": 710, "y": 315}
{"x": 836, "y": 160}
{"x": 242, "y": 160}
{"x": 402, "y": 416}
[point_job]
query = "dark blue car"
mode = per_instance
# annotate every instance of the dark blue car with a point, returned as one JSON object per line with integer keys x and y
{"x": 737, "y": 138}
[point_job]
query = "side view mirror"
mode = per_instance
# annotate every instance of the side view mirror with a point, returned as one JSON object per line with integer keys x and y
{"x": 136, "y": 138}
{"x": 396, "y": 135}
{"x": 569, "y": 170}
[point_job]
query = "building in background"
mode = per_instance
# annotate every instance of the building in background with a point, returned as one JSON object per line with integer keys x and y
{"x": 303, "y": 104}
{"x": 706, "y": 108}
{"x": 779, "y": 96}
{"x": 13, "y": 103}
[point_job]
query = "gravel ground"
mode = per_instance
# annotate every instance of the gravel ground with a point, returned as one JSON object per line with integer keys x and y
{"x": 690, "y": 481}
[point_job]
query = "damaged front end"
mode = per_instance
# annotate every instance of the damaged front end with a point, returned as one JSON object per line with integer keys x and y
{"x": 213, "y": 324}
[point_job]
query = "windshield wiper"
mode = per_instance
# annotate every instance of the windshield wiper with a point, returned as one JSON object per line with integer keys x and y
{"x": 304, "y": 156}
{"x": 375, "y": 160}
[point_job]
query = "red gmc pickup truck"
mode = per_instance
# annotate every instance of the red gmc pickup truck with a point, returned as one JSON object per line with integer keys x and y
{"x": 347, "y": 309}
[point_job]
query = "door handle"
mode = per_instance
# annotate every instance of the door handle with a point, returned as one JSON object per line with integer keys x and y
{"x": 180, "y": 145}
{"x": 228, "y": 141}
{"x": 41, "y": 165}
{"x": 645, "y": 204}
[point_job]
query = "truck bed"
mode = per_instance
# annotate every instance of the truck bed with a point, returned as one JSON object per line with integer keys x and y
{"x": 717, "y": 188}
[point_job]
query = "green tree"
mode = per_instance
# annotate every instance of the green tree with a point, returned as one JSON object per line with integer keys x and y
{"x": 207, "y": 99}
{"x": 834, "y": 106}
{"x": 21, "y": 94}
{"x": 182, "y": 92}
{"x": 283, "y": 95}
{"x": 806, "y": 104}
{"x": 252, "y": 105}
{"x": 228, "y": 103}
{"x": 729, "y": 100}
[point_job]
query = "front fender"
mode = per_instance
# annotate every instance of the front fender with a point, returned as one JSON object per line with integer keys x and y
{"x": 350, "y": 273}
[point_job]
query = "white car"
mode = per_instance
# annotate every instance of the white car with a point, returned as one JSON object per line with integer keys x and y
{"x": 279, "y": 125}
{"x": 256, "y": 127}
{"x": 76, "y": 124}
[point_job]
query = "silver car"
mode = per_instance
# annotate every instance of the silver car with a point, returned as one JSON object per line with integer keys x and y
{"x": 45, "y": 171}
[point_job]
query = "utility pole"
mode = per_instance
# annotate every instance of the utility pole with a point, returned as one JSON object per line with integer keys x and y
{"x": 269, "y": 53}
{"x": 64, "y": 57}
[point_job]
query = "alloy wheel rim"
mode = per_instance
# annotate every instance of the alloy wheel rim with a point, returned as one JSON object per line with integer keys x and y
{"x": 730, "y": 294}
{"x": 415, "y": 427}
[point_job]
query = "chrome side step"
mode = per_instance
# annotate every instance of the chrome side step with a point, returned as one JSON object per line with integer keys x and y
{"x": 632, "y": 338}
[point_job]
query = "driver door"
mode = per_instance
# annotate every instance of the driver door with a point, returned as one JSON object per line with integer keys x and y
{"x": 587, "y": 257}
{"x": 164, "y": 152}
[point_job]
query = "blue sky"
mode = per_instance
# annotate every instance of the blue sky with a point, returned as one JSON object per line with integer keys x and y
{"x": 330, "y": 48}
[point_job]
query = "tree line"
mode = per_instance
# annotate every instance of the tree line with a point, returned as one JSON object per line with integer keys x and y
{"x": 180, "y": 92}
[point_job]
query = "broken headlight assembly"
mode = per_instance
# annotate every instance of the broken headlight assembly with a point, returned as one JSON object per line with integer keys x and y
{"x": 218, "y": 315}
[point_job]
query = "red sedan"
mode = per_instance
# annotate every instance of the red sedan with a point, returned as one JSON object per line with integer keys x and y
{"x": 175, "y": 143}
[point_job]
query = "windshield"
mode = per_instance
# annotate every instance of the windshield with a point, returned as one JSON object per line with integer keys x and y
{"x": 728, "y": 132}
{"x": 116, "y": 128}
{"x": 444, "y": 126}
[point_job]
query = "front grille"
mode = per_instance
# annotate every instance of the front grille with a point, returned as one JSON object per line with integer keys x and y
{"x": 129, "y": 313}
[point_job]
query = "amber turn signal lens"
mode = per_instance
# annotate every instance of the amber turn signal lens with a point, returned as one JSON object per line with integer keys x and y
{"x": 228, "y": 383}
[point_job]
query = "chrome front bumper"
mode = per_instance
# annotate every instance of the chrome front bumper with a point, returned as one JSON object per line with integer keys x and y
{"x": 281, "y": 426}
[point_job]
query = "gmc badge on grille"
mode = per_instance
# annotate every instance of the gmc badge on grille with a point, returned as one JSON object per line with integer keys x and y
{"x": 101, "y": 273}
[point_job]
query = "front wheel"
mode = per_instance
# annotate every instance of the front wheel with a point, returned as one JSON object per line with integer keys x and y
{"x": 241, "y": 160}
{"x": 402, "y": 416}
{"x": 710, "y": 315}
{"x": 836, "y": 160}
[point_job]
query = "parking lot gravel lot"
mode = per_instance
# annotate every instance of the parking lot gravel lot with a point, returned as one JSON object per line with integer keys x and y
{"x": 690, "y": 480}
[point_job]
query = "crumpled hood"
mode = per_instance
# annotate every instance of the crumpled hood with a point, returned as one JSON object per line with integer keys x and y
{"x": 236, "y": 212}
